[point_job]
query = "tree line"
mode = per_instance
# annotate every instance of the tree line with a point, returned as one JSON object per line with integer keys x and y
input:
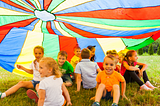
{"x": 151, "y": 49}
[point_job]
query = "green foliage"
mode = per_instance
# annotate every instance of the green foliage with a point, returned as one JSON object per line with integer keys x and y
{"x": 140, "y": 51}
{"x": 158, "y": 51}
{"x": 154, "y": 44}
{"x": 150, "y": 50}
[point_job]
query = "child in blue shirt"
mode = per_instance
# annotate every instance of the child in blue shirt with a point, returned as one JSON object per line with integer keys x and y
{"x": 86, "y": 71}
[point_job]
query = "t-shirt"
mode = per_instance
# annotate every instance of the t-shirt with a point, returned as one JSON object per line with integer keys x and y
{"x": 66, "y": 68}
{"x": 88, "y": 71}
{"x": 123, "y": 69}
{"x": 53, "y": 89}
{"x": 109, "y": 80}
{"x": 74, "y": 60}
{"x": 36, "y": 74}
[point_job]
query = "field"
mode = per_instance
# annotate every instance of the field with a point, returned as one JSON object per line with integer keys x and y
{"x": 82, "y": 98}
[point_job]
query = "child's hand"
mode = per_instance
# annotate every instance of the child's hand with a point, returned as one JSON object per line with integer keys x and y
{"x": 141, "y": 73}
{"x": 19, "y": 66}
{"x": 76, "y": 91}
{"x": 124, "y": 96}
{"x": 92, "y": 98}
{"x": 69, "y": 104}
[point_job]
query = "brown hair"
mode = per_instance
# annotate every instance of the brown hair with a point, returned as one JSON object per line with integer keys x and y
{"x": 37, "y": 47}
{"x": 129, "y": 54}
{"x": 111, "y": 57}
{"x": 76, "y": 47}
{"x": 85, "y": 53}
{"x": 51, "y": 63}
{"x": 63, "y": 53}
{"x": 93, "y": 58}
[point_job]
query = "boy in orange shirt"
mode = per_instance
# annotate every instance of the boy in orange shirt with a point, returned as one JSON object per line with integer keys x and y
{"x": 108, "y": 83}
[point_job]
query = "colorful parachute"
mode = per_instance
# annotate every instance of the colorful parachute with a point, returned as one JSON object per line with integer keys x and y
{"x": 61, "y": 24}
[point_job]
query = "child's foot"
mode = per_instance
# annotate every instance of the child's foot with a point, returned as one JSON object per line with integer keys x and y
{"x": 114, "y": 104}
{"x": 96, "y": 104}
{"x": 32, "y": 95}
{"x": 149, "y": 85}
{"x": 144, "y": 87}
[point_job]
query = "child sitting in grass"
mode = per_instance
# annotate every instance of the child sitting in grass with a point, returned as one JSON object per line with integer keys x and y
{"x": 115, "y": 54}
{"x": 76, "y": 58}
{"x": 38, "y": 53}
{"x": 132, "y": 73}
{"x": 108, "y": 83}
{"x": 86, "y": 71}
{"x": 92, "y": 50}
{"x": 65, "y": 68}
{"x": 52, "y": 87}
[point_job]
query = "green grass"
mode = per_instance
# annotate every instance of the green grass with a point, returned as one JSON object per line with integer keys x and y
{"x": 82, "y": 98}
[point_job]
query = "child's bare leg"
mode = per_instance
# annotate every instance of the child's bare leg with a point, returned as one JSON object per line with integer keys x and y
{"x": 68, "y": 84}
{"x": 101, "y": 90}
{"x": 21, "y": 84}
{"x": 37, "y": 87}
{"x": 116, "y": 93}
{"x": 75, "y": 77}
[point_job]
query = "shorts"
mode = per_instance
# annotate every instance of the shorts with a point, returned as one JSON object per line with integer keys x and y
{"x": 107, "y": 96}
{"x": 67, "y": 78}
{"x": 35, "y": 83}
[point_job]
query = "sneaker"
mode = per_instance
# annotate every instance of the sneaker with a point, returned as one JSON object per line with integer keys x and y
{"x": 96, "y": 104}
{"x": 114, "y": 104}
{"x": 149, "y": 85}
{"x": 0, "y": 94}
{"x": 32, "y": 95}
{"x": 144, "y": 87}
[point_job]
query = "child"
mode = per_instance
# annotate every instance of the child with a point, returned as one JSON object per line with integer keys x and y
{"x": 92, "y": 49}
{"x": 115, "y": 54}
{"x": 86, "y": 71}
{"x": 108, "y": 83}
{"x": 122, "y": 54}
{"x": 128, "y": 70}
{"x": 65, "y": 68}
{"x": 38, "y": 53}
{"x": 75, "y": 59}
{"x": 52, "y": 87}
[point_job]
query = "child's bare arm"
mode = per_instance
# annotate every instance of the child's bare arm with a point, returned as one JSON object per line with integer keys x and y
{"x": 41, "y": 94}
{"x": 99, "y": 70}
{"x": 118, "y": 67}
{"x": 66, "y": 95}
{"x": 123, "y": 89}
{"x": 143, "y": 68}
{"x": 79, "y": 82}
{"x": 131, "y": 68}
{"x": 30, "y": 71}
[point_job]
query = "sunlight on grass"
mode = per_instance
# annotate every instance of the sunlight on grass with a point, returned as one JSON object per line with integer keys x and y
{"x": 82, "y": 98}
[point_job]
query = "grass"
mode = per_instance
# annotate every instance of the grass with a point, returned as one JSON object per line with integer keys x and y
{"x": 82, "y": 98}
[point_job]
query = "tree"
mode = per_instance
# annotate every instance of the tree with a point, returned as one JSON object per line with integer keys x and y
{"x": 158, "y": 51}
{"x": 140, "y": 51}
{"x": 150, "y": 50}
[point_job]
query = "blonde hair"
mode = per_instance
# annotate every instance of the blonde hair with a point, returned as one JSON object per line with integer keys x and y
{"x": 111, "y": 52}
{"x": 51, "y": 63}
{"x": 37, "y": 47}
